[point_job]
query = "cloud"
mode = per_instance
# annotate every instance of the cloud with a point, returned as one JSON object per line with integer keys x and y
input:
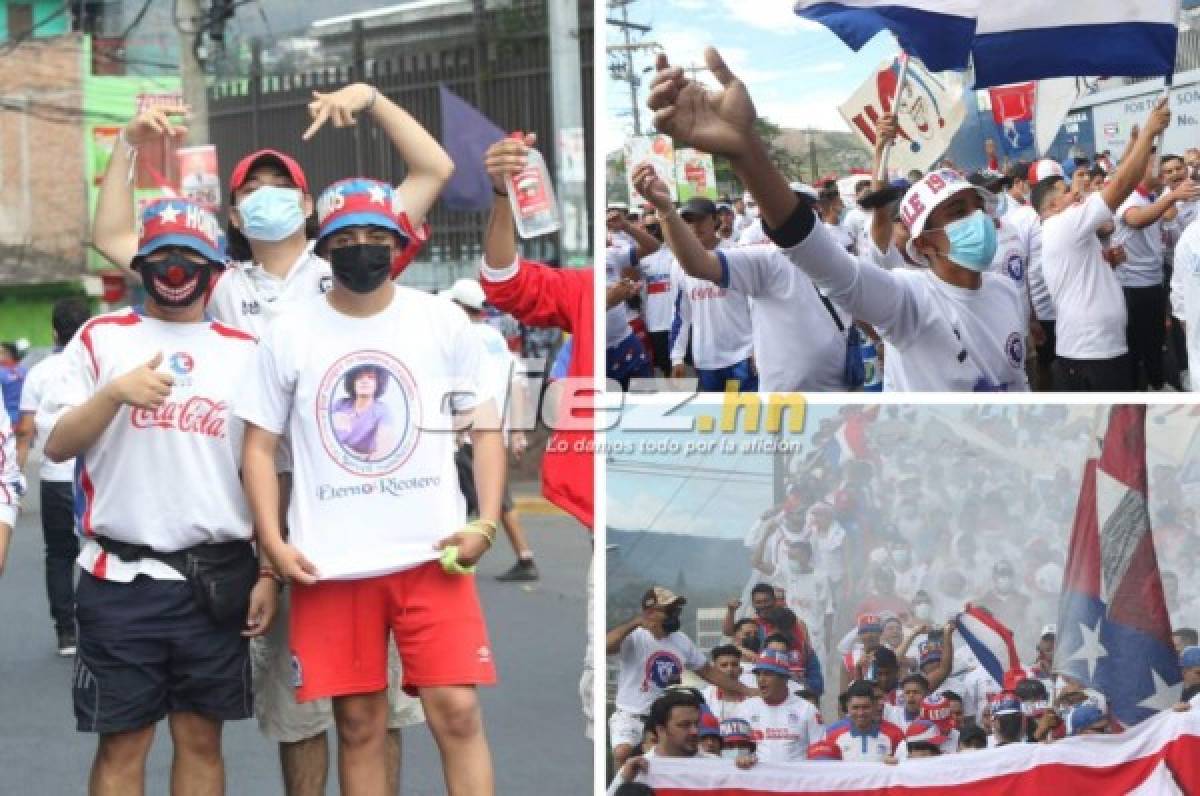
{"x": 692, "y": 5}
{"x": 773, "y": 17}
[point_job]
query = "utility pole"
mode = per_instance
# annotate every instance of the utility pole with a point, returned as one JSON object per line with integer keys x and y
{"x": 190, "y": 19}
{"x": 570, "y": 148}
{"x": 812, "y": 154}
{"x": 630, "y": 75}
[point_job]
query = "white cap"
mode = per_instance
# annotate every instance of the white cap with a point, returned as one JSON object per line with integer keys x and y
{"x": 1043, "y": 169}
{"x": 924, "y": 197}
{"x": 466, "y": 292}
{"x": 804, "y": 188}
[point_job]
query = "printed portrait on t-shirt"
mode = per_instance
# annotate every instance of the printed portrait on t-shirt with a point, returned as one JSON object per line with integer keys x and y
{"x": 368, "y": 412}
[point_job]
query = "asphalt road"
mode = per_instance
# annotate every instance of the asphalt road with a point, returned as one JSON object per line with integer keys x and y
{"x": 533, "y": 717}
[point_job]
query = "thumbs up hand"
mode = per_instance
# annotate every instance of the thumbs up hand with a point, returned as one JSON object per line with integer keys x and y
{"x": 143, "y": 387}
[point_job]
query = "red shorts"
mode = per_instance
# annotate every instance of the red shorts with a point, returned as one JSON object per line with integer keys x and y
{"x": 339, "y": 633}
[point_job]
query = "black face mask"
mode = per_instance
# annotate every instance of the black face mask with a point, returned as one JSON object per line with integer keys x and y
{"x": 362, "y": 267}
{"x": 672, "y": 623}
{"x": 175, "y": 281}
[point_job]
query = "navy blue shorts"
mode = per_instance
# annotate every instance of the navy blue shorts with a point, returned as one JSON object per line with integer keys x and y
{"x": 146, "y": 650}
{"x": 715, "y": 380}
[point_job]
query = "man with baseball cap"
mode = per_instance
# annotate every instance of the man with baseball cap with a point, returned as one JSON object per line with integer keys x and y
{"x": 1092, "y": 350}
{"x": 503, "y": 377}
{"x": 371, "y": 382}
{"x": 652, "y": 653}
{"x": 1008, "y": 719}
{"x": 799, "y": 340}
{"x": 170, "y": 588}
{"x": 715, "y": 318}
{"x": 1189, "y": 663}
{"x": 783, "y": 724}
{"x": 859, "y": 736}
{"x": 952, "y": 327}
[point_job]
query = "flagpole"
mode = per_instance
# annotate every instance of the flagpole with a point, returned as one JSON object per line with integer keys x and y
{"x": 887, "y": 150}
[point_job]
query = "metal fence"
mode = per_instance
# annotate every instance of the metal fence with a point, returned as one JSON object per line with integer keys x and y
{"x": 499, "y": 62}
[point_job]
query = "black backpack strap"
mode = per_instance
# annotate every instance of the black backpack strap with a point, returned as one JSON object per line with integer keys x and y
{"x": 832, "y": 312}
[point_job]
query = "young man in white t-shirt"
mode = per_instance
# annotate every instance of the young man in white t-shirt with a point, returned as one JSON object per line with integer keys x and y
{"x": 652, "y": 654}
{"x": 371, "y": 381}
{"x": 783, "y": 724}
{"x": 716, "y": 319}
{"x": 142, "y": 402}
{"x": 797, "y": 343}
{"x": 1092, "y": 348}
{"x": 952, "y": 327}
{"x": 56, "y": 490}
{"x": 1142, "y": 223}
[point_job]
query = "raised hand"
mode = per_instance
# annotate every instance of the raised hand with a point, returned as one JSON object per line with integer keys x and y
{"x": 719, "y": 122}
{"x": 340, "y": 106}
{"x": 651, "y": 186}
{"x": 1159, "y": 119}
{"x": 506, "y": 157}
{"x": 143, "y": 387}
{"x": 155, "y": 123}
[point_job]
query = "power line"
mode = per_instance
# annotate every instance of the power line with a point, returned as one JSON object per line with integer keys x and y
{"x": 26, "y": 35}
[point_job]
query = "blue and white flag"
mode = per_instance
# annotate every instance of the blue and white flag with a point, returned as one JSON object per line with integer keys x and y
{"x": 1013, "y": 41}
{"x": 1018, "y": 40}
{"x": 939, "y": 32}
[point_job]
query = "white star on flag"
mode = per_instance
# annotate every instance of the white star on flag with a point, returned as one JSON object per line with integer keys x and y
{"x": 169, "y": 214}
{"x": 1091, "y": 650}
{"x": 1164, "y": 696}
{"x": 377, "y": 194}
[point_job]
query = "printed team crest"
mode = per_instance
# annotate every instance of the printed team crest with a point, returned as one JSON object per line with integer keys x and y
{"x": 1016, "y": 267}
{"x": 1015, "y": 348}
{"x": 663, "y": 669}
{"x": 369, "y": 413}
{"x": 325, "y": 285}
{"x": 182, "y": 363}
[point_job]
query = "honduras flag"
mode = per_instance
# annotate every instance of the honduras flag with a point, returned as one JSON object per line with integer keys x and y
{"x": 1114, "y": 633}
{"x": 990, "y": 641}
{"x": 1012, "y": 41}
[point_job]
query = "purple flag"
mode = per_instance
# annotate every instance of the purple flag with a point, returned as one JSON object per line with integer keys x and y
{"x": 466, "y": 136}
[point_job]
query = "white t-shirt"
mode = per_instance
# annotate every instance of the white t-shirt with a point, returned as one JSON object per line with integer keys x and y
{"x": 940, "y": 337}
{"x": 616, "y": 319}
{"x": 1143, "y": 266}
{"x": 721, "y": 707}
{"x": 167, "y": 478}
{"x": 716, "y": 318}
{"x": 249, "y": 297}
{"x": 873, "y": 746}
{"x": 845, "y": 238}
{"x": 658, "y": 295}
{"x": 498, "y": 368}
{"x": 797, "y": 346}
{"x": 1012, "y": 260}
{"x": 753, "y": 234}
{"x": 368, "y": 405}
{"x": 40, "y": 376}
{"x": 856, "y": 223}
{"x": 1086, "y": 293}
{"x": 782, "y": 732}
{"x": 646, "y": 666}
{"x": 1186, "y": 282}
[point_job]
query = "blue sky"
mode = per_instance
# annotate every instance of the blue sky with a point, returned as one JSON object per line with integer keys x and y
{"x": 797, "y": 71}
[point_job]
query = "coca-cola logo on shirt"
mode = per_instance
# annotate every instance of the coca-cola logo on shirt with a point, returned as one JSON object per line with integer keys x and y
{"x": 196, "y": 415}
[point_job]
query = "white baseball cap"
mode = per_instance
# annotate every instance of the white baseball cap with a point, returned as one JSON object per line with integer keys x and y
{"x": 924, "y": 197}
{"x": 466, "y": 292}
{"x": 1044, "y": 169}
{"x": 804, "y": 188}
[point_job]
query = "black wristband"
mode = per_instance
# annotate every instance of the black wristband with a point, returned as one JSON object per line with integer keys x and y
{"x": 499, "y": 193}
{"x": 793, "y": 231}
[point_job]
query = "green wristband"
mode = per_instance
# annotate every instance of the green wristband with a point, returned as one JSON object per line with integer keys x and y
{"x": 450, "y": 563}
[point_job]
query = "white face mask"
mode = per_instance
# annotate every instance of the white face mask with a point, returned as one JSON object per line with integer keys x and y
{"x": 731, "y": 754}
{"x": 923, "y": 611}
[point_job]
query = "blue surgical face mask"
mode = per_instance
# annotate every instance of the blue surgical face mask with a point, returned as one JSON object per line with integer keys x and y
{"x": 972, "y": 241}
{"x": 271, "y": 213}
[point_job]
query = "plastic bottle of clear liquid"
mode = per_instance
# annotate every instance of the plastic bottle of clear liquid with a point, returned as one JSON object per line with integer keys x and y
{"x": 531, "y": 194}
